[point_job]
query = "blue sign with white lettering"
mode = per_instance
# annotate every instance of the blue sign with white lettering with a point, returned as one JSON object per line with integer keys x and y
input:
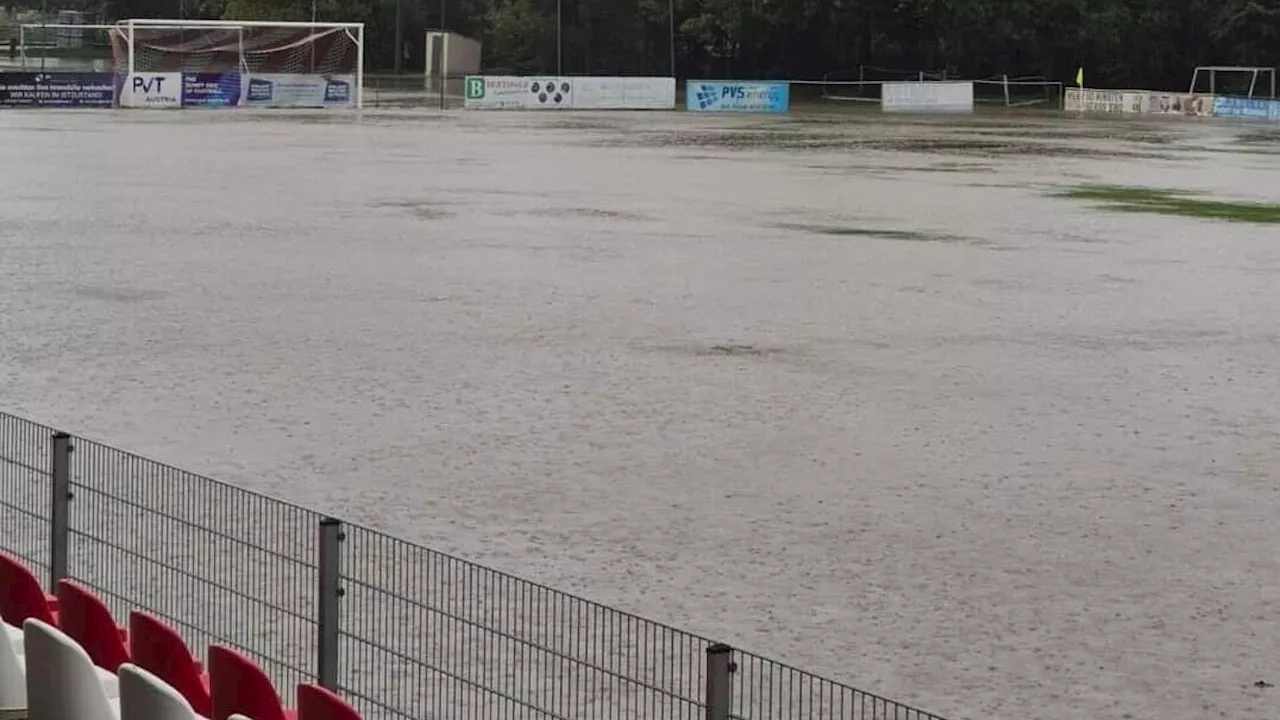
{"x": 57, "y": 89}
{"x": 210, "y": 89}
{"x": 1240, "y": 107}
{"x": 730, "y": 96}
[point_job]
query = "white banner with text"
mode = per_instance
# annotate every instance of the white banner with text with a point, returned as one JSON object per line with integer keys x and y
{"x": 152, "y": 90}
{"x": 551, "y": 92}
{"x": 927, "y": 97}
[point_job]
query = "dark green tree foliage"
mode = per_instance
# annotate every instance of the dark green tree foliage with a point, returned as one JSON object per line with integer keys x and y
{"x": 1129, "y": 43}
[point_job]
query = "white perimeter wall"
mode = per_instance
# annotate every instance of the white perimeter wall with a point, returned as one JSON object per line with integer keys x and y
{"x": 927, "y": 97}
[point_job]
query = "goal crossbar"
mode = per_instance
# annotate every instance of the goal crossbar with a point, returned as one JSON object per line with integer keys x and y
{"x": 64, "y": 26}
{"x": 234, "y": 24}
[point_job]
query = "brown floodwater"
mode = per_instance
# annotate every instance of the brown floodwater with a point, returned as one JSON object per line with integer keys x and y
{"x": 863, "y": 394}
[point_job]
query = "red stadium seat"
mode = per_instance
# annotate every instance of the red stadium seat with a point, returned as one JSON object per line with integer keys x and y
{"x": 317, "y": 703}
{"x": 239, "y": 686}
{"x": 160, "y": 650}
{"x": 84, "y": 618}
{"x": 21, "y": 596}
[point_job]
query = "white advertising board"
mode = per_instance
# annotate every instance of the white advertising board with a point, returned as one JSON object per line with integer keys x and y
{"x": 1097, "y": 101}
{"x": 1158, "y": 103}
{"x": 1137, "y": 102}
{"x": 1134, "y": 102}
{"x": 152, "y": 90}
{"x": 507, "y": 92}
{"x": 937, "y": 97}
{"x": 624, "y": 93}
{"x": 551, "y": 92}
{"x": 300, "y": 91}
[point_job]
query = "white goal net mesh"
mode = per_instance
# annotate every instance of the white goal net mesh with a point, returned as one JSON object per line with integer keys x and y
{"x": 253, "y": 50}
{"x": 1024, "y": 91}
{"x": 1013, "y": 92}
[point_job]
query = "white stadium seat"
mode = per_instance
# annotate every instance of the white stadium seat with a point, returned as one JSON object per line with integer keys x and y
{"x": 144, "y": 696}
{"x": 62, "y": 682}
{"x": 13, "y": 670}
{"x": 110, "y": 682}
{"x": 15, "y": 635}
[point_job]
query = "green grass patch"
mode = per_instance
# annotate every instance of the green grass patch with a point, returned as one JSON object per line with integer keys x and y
{"x": 871, "y": 232}
{"x": 881, "y": 233}
{"x": 1181, "y": 203}
{"x": 854, "y": 231}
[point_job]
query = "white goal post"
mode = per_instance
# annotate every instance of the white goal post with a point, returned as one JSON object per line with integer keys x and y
{"x": 270, "y": 59}
{"x": 1010, "y": 92}
{"x": 1252, "y": 74}
{"x": 41, "y": 37}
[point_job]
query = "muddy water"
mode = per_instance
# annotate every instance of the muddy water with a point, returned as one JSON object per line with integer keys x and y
{"x": 864, "y": 396}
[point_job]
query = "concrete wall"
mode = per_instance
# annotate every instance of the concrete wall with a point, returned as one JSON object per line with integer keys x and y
{"x": 451, "y": 55}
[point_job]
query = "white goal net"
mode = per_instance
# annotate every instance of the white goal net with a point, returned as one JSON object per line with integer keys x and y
{"x": 1235, "y": 81}
{"x": 1025, "y": 91}
{"x": 1010, "y": 92}
{"x": 172, "y": 63}
{"x": 64, "y": 47}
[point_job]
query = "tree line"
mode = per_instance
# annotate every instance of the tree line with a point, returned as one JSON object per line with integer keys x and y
{"x": 1120, "y": 43}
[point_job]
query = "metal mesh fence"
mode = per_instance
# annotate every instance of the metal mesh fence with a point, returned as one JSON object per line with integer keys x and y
{"x": 764, "y": 689}
{"x": 400, "y": 630}
{"x": 429, "y": 635}
{"x": 25, "y": 491}
{"x": 221, "y": 564}
{"x": 413, "y": 92}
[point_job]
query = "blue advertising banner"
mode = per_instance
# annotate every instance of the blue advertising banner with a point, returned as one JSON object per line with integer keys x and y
{"x": 300, "y": 91}
{"x": 210, "y": 89}
{"x": 1240, "y": 107}
{"x": 57, "y": 89}
{"x": 732, "y": 96}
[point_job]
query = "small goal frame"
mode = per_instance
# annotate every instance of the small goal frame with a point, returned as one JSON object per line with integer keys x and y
{"x": 1004, "y": 83}
{"x": 354, "y": 31}
{"x": 1213, "y": 70}
{"x": 24, "y": 27}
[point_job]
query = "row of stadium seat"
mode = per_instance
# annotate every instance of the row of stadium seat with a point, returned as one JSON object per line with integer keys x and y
{"x": 63, "y": 657}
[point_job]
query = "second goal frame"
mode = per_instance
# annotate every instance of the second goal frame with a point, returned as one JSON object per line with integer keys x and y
{"x": 1254, "y": 73}
{"x": 354, "y": 31}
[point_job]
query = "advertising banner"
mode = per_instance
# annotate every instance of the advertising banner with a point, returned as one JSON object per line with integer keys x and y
{"x": 1097, "y": 101}
{"x": 1178, "y": 104}
{"x": 57, "y": 89}
{"x": 506, "y": 92}
{"x": 152, "y": 90}
{"x": 624, "y": 93}
{"x": 731, "y": 96}
{"x": 210, "y": 89}
{"x": 300, "y": 91}
{"x": 931, "y": 97}
{"x": 1239, "y": 107}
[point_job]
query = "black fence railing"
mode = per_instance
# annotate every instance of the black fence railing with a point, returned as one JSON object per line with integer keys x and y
{"x": 401, "y": 630}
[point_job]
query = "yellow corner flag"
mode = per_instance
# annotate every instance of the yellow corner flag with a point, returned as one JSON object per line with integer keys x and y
{"x": 1080, "y": 78}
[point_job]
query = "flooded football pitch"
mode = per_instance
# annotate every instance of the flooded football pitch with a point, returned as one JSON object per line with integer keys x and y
{"x": 949, "y": 409}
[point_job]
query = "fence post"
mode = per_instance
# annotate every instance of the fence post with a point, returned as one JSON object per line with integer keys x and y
{"x": 719, "y": 697}
{"x": 327, "y": 613}
{"x": 59, "y": 507}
